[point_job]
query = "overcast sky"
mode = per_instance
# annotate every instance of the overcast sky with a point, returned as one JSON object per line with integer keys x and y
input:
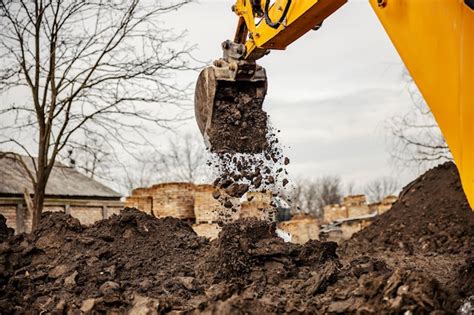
{"x": 329, "y": 93}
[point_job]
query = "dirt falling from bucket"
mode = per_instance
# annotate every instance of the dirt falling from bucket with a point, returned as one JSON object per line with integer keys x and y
{"x": 239, "y": 173}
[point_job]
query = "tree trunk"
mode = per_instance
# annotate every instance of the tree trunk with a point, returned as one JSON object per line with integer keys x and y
{"x": 42, "y": 176}
{"x": 38, "y": 204}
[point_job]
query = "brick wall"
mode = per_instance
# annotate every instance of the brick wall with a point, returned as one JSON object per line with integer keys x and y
{"x": 206, "y": 208}
{"x": 301, "y": 230}
{"x": 356, "y": 205}
{"x": 144, "y": 203}
{"x": 355, "y": 200}
{"x": 257, "y": 206}
{"x": 112, "y": 210}
{"x": 9, "y": 212}
{"x": 386, "y": 204}
{"x": 334, "y": 212}
{"x": 351, "y": 227}
{"x": 357, "y": 211}
{"x": 87, "y": 215}
{"x": 173, "y": 200}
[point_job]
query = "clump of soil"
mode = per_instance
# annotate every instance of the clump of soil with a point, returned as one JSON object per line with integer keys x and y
{"x": 138, "y": 263}
{"x": 248, "y": 247}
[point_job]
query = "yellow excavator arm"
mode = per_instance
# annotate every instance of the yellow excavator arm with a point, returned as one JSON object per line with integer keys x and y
{"x": 434, "y": 38}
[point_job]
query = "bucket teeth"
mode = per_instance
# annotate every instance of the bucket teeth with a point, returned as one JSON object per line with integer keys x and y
{"x": 228, "y": 108}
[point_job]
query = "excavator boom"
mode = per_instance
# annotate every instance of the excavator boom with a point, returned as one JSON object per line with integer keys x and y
{"x": 434, "y": 38}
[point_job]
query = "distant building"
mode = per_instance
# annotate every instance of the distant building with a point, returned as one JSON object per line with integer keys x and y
{"x": 197, "y": 205}
{"x": 301, "y": 228}
{"x": 340, "y": 222}
{"x": 67, "y": 190}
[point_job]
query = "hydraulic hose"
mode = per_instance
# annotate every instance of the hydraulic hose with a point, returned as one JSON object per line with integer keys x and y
{"x": 269, "y": 21}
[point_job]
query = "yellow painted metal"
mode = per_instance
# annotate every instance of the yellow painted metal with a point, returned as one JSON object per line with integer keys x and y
{"x": 302, "y": 16}
{"x": 435, "y": 39}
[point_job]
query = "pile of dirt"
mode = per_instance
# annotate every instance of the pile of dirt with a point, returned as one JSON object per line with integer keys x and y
{"x": 134, "y": 261}
{"x": 423, "y": 247}
{"x": 140, "y": 264}
{"x": 249, "y": 269}
{"x": 108, "y": 266}
{"x": 431, "y": 216}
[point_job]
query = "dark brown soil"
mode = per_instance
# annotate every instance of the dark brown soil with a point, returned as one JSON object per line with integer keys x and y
{"x": 432, "y": 216}
{"x": 134, "y": 262}
{"x": 245, "y": 150}
{"x": 5, "y": 231}
{"x": 238, "y": 122}
{"x": 426, "y": 240}
{"x": 63, "y": 263}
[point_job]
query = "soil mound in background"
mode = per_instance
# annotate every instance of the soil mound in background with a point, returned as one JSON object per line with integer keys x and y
{"x": 431, "y": 216}
{"x": 425, "y": 243}
{"x": 415, "y": 259}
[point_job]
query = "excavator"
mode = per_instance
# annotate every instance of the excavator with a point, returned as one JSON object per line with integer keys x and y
{"x": 435, "y": 39}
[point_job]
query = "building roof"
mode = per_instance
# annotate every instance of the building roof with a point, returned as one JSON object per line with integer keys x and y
{"x": 64, "y": 181}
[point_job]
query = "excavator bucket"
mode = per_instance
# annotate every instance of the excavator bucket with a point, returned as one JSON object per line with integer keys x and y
{"x": 228, "y": 107}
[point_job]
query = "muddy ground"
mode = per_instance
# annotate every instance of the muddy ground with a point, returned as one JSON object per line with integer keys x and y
{"x": 417, "y": 258}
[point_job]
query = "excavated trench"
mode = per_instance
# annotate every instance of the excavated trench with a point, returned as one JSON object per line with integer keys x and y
{"x": 417, "y": 258}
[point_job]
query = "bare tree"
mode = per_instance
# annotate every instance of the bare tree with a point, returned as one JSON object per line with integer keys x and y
{"x": 92, "y": 157}
{"x": 90, "y": 65}
{"x": 141, "y": 172}
{"x": 311, "y": 196}
{"x": 185, "y": 160}
{"x": 329, "y": 191}
{"x": 417, "y": 139}
{"x": 380, "y": 188}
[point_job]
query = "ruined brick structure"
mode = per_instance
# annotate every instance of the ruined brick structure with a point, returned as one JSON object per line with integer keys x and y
{"x": 384, "y": 205}
{"x": 301, "y": 227}
{"x": 141, "y": 199}
{"x": 173, "y": 200}
{"x": 206, "y": 207}
{"x": 334, "y": 212}
{"x": 356, "y": 206}
{"x": 340, "y": 222}
{"x": 257, "y": 205}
